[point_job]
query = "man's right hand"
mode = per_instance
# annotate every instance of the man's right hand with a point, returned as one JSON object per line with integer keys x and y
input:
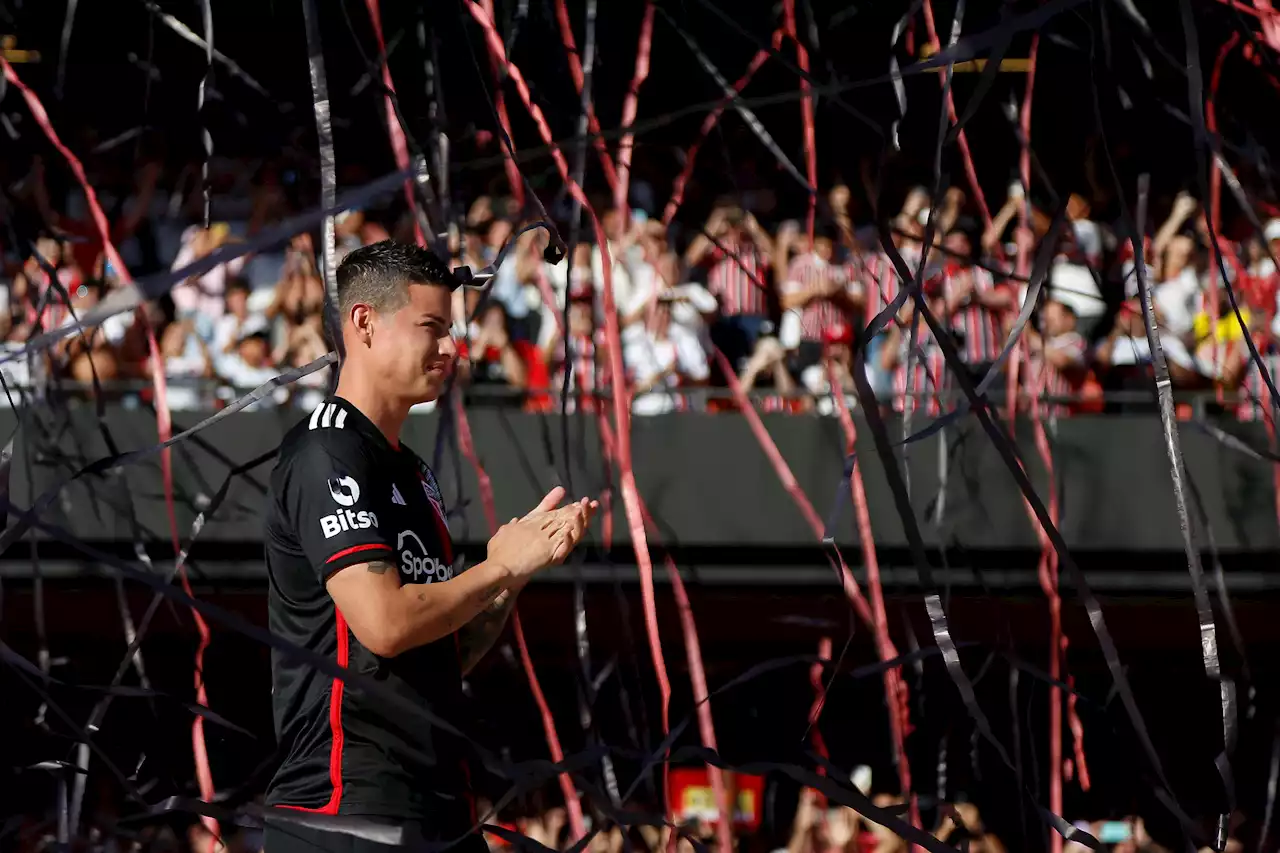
{"x": 544, "y": 537}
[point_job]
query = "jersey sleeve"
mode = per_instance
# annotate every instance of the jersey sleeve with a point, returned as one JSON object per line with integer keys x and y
{"x": 334, "y": 497}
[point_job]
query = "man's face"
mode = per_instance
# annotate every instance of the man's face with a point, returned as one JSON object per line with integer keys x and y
{"x": 411, "y": 348}
{"x": 1057, "y": 319}
{"x": 823, "y": 248}
{"x": 254, "y": 351}
{"x": 957, "y": 244}
{"x": 580, "y": 319}
{"x": 50, "y": 250}
{"x": 237, "y": 300}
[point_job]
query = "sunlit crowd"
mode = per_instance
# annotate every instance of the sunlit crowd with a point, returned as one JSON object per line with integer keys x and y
{"x": 772, "y": 308}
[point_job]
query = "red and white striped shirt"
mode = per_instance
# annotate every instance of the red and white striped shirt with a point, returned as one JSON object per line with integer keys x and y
{"x": 930, "y": 380}
{"x": 1255, "y": 398}
{"x": 977, "y": 325}
{"x": 739, "y": 279}
{"x": 1045, "y": 380}
{"x": 879, "y": 283}
{"x": 809, "y": 271}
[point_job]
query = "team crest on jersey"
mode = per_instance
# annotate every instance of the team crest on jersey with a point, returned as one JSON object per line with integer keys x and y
{"x": 432, "y": 489}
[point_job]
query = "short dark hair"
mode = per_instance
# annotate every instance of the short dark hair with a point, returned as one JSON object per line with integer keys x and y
{"x": 379, "y": 274}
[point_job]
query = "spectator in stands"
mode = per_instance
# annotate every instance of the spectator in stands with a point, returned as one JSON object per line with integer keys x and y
{"x": 249, "y": 364}
{"x": 920, "y": 374}
{"x": 85, "y": 250}
{"x": 818, "y": 830}
{"x": 226, "y": 328}
{"x": 960, "y": 823}
{"x": 36, "y": 306}
{"x": 626, "y": 257}
{"x": 304, "y": 345}
{"x": 818, "y": 294}
{"x": 666, "y": 358}
{"x": 300, "y": 292}
{"x": 492, "y": 356}
{"x": 513, "y": 286}
{"x": 91, "y": 353}
{"x": 201, "y": 297}
{"x": 186, "y": 359}
{"x": 736, "y": 252}
{"x": 1241, "y": 372}
{"x": 1056, "y": 355}
{"x": 975, "y": 304}
{"x": 582, "y": 354}
{"x": 1086, "y": 237}
{"x": 352, "y": 229}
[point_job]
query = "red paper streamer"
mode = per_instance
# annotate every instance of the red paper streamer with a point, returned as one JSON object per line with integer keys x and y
{"x": 691, "y": 155}
{"x": 164, "y": 429}
{"x": 969, "y": 170}
{"x": 693, "y": 654}
{"x": 399, "y": 145}
{"x": 895, "y": 688}
{"x": 819, "y": 698}
{"x": 579, "y": 81}
{"x": 500, "y": 104}
{"x": 626, "y": 474}
{"x": 572, "y": 805}
{"x": 623, "y": 182}
{"x": 806, "y": 111}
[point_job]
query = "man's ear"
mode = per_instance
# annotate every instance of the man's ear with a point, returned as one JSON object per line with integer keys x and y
{"x": 362, "y": 321}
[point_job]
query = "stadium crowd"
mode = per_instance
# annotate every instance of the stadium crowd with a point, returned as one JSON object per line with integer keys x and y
{"x": 817, "y": 826}
{"x": 782, "y": 309}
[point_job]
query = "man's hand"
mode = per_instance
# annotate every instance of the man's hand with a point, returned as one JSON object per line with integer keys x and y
{"x": 544, "y": 537}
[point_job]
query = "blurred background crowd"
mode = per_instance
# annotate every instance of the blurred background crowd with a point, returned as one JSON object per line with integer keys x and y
{"x": 815, "y": 826}
{"x": 745, "y": 291}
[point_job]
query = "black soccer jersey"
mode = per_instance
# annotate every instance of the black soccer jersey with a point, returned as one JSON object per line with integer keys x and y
{"x": 341, "y": 494}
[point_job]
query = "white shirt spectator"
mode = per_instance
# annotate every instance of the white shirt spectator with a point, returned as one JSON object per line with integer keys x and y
{"x": 186, "y": 396}
{"x": 1177, "y": 301}
{"x": 1088, "y": 241}
{"x": 679, "y": 354}
{"x": 203, "y": 295}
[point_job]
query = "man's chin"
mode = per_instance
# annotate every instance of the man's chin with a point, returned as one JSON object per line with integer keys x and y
{"x": 432, "y": 388}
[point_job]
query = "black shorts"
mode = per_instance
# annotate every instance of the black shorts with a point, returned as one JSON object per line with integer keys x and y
{"x": 287, "y": 837}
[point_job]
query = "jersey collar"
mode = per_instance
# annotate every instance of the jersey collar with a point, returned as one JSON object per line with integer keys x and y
{"x": 352, "y": 418}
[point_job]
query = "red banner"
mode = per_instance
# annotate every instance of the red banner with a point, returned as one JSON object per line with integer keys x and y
{"x": 691, "y": 797}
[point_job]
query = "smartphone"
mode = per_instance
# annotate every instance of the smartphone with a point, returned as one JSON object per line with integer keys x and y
{"x": 1115, "y": 831}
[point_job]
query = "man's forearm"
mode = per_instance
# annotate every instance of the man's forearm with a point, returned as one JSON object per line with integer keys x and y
{"x": 428, "y": 612}
{"x": 477, "y": 637}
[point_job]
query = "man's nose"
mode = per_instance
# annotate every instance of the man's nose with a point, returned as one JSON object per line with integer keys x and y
{"x": 448, "y": 346}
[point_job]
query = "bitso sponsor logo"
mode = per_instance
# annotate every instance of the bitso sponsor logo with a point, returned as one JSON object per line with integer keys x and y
{"x": 345, "y": 491}
{"x": 416, "y": 565}
{"x": 345, "y": 519}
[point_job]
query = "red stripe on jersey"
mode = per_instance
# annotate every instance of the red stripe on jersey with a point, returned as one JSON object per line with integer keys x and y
{"x": 356, "y": 548}
{"x": 335, "y": 724}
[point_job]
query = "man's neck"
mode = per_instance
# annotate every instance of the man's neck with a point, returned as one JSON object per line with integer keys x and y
{"x": 386, "y": 414}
